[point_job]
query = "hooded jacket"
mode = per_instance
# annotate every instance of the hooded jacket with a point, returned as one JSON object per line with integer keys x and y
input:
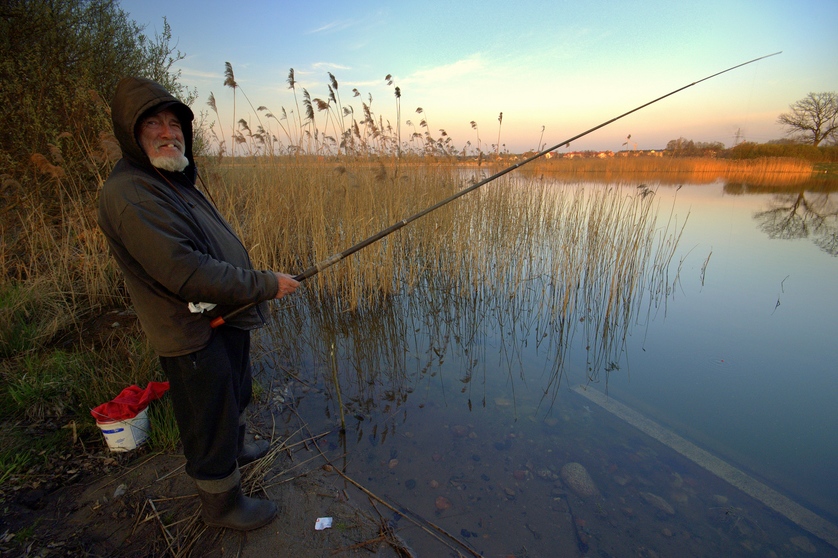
{"x": 170, "y": 242}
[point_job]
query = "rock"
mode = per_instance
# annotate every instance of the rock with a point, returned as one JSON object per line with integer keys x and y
{"x": 576, "y": 477}
{"x": 658, "y": 503}
{"x": 442, "y": 503}
{"x": 676, "y": 481}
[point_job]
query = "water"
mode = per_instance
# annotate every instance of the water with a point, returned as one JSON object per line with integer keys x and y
{"x": 453, "y": 415}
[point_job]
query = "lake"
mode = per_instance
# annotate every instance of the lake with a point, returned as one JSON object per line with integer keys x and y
{"x": 463, "y": 410}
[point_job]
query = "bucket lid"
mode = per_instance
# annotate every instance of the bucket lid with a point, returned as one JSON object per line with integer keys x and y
{"x": 104, "y": 421}
{"x": 129, "y": 402}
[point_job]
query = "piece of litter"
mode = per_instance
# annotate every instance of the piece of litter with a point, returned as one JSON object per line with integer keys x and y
{"x": 322, "y": 523}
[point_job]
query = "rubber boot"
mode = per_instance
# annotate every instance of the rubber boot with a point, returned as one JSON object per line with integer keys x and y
{"x": 230, "y": 508}
{"x": 252, "y": 451}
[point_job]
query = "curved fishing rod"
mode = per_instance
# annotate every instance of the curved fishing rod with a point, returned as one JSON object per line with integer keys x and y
{"x": 332, "y": 260}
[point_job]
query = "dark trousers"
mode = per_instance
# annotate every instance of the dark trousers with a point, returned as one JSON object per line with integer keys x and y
{"x": 210, "y": 389}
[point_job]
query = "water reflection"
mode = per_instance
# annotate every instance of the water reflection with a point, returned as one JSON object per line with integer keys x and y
{"x": 802, "y": 215}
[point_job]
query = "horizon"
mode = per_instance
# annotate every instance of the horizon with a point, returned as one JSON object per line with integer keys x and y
{"x": 552, "y": 71}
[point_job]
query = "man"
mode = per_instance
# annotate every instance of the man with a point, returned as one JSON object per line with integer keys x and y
{"x": 176, "y": 252}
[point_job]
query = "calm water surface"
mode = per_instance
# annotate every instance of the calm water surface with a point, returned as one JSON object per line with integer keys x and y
{"x": 448, "y": 421}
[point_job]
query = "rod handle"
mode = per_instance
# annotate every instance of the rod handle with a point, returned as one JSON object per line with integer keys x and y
{"x": 221, "y": 320}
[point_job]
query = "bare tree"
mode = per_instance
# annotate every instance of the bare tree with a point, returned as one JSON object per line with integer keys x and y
{"x": 814, "y": 118}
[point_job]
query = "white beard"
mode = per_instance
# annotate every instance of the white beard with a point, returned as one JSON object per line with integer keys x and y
{"x": 172, "y": 164}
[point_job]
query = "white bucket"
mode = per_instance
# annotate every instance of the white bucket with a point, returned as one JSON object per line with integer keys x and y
{"x": 125, "y": 435}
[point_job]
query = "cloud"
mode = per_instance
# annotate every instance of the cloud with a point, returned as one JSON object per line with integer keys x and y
{"x": 328, "y": 66}
{"x": 333, "y": 27}
{"x": 458, "y": 70}
{"x": 200, "y": 74}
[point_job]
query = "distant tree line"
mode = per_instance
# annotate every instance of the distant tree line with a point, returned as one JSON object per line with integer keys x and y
{"x": 60, "y": 61}
{"x": 750, "y": 150}
{"x": 683, "y": 147}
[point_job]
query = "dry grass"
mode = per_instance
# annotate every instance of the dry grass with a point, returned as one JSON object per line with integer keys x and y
{"x": 773, "y": 171}
{"x": 542, "y": 255}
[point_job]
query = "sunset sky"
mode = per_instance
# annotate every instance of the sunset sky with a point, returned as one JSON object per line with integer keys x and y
{"x": 564, "y": 66}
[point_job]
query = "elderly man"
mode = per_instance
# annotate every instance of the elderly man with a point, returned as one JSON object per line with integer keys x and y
{"x": 179, "y": 256}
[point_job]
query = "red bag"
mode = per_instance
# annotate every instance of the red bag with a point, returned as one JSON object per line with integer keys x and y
{"x": 131, "y": 401}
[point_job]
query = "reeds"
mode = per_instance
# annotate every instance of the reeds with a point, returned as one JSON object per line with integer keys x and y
{"x": 324, "y": 126}
{"x": 562, "y": 261}
{"x": 766, "y": 171}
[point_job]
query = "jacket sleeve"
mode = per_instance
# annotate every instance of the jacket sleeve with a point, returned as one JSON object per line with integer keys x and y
{"x": 173, "y": 252}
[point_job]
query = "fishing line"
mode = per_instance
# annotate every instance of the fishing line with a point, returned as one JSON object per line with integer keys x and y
{"x": 335, "y": 258}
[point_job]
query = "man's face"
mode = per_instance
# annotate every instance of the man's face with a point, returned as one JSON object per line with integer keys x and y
{"x": 161, "y": 137}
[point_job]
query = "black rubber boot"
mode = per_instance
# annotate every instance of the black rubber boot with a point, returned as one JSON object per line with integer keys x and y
{"x": 252, "y": 451}
{"x": 233, "y": 510}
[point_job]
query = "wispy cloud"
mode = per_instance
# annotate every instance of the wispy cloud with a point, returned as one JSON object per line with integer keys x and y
{"x": 333, "y": 26}
{"x": 328, "y": 66}
{"x": 200, "y": 74}
{"x": 467, "y": 67}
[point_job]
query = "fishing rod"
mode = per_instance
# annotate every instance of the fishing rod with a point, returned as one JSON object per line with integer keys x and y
{"x": 335, "y": 258}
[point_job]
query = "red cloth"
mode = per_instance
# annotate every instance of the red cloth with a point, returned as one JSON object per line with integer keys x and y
{"x": 131, "y": 401}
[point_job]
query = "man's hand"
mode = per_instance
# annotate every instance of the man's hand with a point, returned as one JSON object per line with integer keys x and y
{"x": 287, "y": 284}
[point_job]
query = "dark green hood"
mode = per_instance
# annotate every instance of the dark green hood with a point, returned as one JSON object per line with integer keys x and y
{"x": 134, "y": 99}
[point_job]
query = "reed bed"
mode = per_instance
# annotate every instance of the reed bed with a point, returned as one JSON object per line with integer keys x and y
{"x": 564, "y": 260}
{"x": 766, "y": 171}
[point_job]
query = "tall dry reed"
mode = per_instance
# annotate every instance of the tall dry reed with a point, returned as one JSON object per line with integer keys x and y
{"x": 767, "y": 171}
{"x": 565, "y": 260}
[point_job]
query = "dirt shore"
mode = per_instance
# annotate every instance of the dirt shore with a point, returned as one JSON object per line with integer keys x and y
{"x": 145, "y": 505}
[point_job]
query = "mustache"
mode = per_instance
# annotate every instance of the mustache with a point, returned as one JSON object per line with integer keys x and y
{"x": 176, "y": 143}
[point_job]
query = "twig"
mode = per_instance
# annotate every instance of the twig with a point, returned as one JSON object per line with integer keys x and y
{"x": 292, "y": 467}
{"x": 168, "y": 536}
{"x": 172, "y": 472}
{"x": 391, "y": 537}
{"x": 134, "y": 468}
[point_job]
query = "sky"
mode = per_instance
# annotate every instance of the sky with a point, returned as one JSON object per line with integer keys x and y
{"x": 554, "y": 69}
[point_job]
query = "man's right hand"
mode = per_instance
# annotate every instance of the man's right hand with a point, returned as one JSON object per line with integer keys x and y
{"x": 287, "y": 284}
